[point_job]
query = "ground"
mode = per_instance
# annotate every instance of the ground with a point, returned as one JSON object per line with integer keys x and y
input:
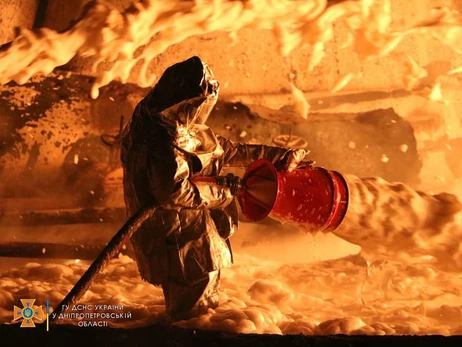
{"x": 281, "y": 296}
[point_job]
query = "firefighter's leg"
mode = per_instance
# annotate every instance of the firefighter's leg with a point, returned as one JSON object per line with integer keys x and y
{"x": 184, "y": 300}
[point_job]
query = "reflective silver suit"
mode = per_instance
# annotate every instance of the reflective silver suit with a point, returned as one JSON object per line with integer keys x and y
{"x": 185, "y": 244}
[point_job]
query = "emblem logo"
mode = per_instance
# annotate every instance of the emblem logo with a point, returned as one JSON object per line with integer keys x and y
{"x": 28, "y": 313}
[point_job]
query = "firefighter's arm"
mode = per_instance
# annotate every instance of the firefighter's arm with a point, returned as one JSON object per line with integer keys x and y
{"x": 169, "y": 177}
{"x": 239, "y": 154}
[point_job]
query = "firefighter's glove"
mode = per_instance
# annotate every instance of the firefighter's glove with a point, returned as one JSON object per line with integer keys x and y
{"x": 291, "y": 160}
{"x": 230, "y": 181}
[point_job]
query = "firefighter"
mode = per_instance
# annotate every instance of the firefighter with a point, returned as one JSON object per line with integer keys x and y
{"x": 165, "y": 144}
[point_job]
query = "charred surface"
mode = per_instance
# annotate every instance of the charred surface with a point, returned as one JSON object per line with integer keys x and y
{"x": 34, "y": 136}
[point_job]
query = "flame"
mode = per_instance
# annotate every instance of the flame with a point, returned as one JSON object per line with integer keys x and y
{"x": 384, "y": 218}
{"x": 136, "y": 36}
{"x": 301, "y": 106}
{"x": 344, "y": 80}
{"x": 436, "y": 93}
{"x": 415, "y": 73}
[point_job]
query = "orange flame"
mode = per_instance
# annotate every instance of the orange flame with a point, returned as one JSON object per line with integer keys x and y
{"x": 146, "y": 29}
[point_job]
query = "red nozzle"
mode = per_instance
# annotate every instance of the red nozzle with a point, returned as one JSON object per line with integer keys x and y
{"x": 312, "y": 198}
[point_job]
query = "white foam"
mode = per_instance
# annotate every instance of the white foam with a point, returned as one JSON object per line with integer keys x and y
{"x": 259, "y": 296}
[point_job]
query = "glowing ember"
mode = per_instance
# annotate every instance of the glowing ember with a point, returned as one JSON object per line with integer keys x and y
{"x": 404, "y": 148}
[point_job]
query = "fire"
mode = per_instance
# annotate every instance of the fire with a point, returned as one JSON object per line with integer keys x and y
{"x": 132, "y": 39}
{"x": 301, "y": 106}
{"x": 436, "y": 93}
{"x": 388, "y": 221}
{"x": 414, "y": 74}
{"x": 344, "y": 80}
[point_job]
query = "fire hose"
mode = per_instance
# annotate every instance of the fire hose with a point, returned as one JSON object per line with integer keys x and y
{"x": 109, "y": 252}
{"x": 311, "y": 198}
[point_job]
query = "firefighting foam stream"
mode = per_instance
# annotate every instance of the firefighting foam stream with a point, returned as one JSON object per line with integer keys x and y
{"x": 408, "y": 276}
{"x": 406, "y": 280}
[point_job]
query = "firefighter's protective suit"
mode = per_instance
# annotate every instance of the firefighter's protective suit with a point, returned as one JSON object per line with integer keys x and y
{"x": 166, "y": 143}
